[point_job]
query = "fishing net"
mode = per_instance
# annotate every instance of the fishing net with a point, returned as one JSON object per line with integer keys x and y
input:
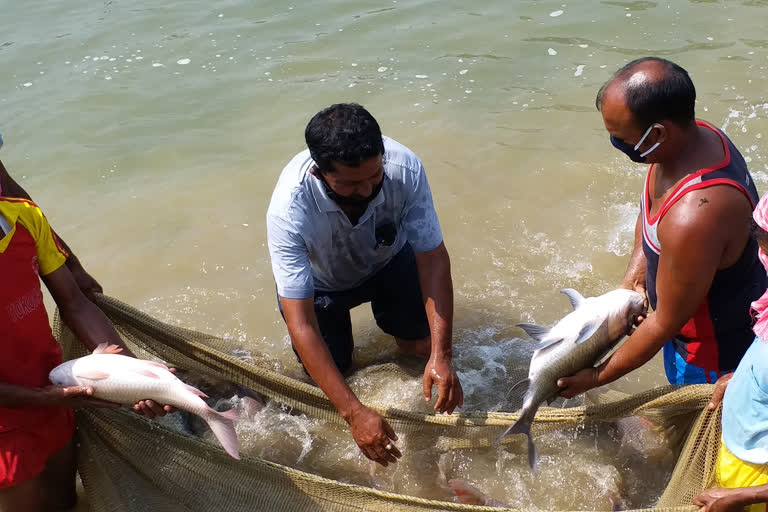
{"x": 130, "y": 463}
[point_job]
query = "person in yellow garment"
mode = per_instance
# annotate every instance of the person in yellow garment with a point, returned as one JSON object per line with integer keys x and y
{"x": 741, "y": 471}
{"x": 9, "y": 188}
{"x": 37, "y": 454}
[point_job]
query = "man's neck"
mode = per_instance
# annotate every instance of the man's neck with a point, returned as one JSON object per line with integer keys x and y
{"x": 694, "y": 154}
{"x": 353, "y": 213}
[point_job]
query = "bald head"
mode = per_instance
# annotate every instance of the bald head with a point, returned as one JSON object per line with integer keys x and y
{"x": 652, "y": 90}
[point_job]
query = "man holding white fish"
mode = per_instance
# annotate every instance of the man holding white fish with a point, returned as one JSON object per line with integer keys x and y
{"x": 37, "y": 455}
{"x": 696, "y": 205}
{"x": 351, "y": 221}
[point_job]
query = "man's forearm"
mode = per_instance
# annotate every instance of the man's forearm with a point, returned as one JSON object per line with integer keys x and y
{"x": 437, "y": 290}
{"x": 21, "y": 396}
{"x": 750, "y": 495}
{"x": 90, "y": 325}
{"x": 640, "y": 348}
{"x": 319, "y": 364}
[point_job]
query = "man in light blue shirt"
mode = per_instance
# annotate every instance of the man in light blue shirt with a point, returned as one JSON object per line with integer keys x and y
{"x": 351, "y": 220}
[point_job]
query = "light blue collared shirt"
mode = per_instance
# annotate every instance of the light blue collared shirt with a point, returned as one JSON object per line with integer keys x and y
{"x": 312, "y": 243}
{"x": 745, "y": 406}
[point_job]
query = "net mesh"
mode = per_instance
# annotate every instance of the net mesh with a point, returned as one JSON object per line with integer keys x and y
{"x": 127, "y": 462}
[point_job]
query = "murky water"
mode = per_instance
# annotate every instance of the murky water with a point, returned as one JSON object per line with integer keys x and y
{"x": 153, "y": 134}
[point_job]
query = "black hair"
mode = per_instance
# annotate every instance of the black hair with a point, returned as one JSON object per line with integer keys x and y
{"x": 759, "y": 234}
{"x": 671, "y": 98}
{"x": 344, "y": 133}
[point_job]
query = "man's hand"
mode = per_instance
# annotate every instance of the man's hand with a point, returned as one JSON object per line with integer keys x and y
{"x": 87, "y": 284}
{"x": 719, "y": 500}
{"x": 152, "y": 409}
{"x": 374, "y": 436}
{"x": 579, "y": 383}
{"x": 719, "y": 392}
{"x": 638, "y": 287}
{"x": 449, "y": 393}
{"x": 76, "y": 397}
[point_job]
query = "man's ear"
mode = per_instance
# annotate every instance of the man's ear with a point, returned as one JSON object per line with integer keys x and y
{"x": 662, "y": 132}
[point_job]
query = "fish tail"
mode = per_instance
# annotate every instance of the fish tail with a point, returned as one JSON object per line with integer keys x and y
{"x": 223, "y": 426}
{"x": 523, "y": 426}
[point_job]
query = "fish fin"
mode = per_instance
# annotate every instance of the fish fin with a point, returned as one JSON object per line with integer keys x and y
{"x": 156, "y": 364}
{"x": 251, "y": 406}
{"x": 574, "y": 296}
{"x": 533, "y": 454}
{"x": 230, "y": 414}
{"x": 535, "y": 331}
{"x": 466, "y": 493}
{"x": 195, "y": 391}
{"x": 587, "y": 331}
{"x": 523, "y": 426}
{"x": 546, "y": 344}
{"x": 105, "y": 348}
{"x": 92, "y": 375}
{"x": 223, "y": 427}
{"x": 524, "y": 383}
{"x": 146, "y": 372}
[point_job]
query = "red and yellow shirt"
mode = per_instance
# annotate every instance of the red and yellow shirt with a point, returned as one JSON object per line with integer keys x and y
{"x": 28, "y": 350}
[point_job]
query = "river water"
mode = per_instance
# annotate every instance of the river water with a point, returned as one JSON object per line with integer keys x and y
{"x": 153, "y": 134}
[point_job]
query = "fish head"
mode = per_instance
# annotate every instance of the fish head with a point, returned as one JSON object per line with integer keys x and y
{"x": 63, "y": 375}
{"x": 628, "y": 305}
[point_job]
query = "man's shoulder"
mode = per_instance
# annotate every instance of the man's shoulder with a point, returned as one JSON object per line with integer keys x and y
{"x": 23, "y": 210}
{"x": 291, "y": 192}
{"x": 717, "y": 208}
{"x": 400, "y": 156}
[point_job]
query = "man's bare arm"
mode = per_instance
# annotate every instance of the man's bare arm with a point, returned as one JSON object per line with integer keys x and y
{"x": 370, "y": 431}
{"x": 694, "y": 243}
{"x": 634, "y": 278}
{"x": 434, "y": 268}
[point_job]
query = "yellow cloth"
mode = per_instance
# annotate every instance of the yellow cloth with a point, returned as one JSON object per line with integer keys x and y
{"x": 50, "y": 255}
{"x": 732, "y": 472}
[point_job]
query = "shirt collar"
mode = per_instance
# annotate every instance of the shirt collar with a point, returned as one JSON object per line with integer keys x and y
{"x": 325, "y": 204}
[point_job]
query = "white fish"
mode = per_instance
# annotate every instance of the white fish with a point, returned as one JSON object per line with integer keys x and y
{"x": 576, "y": 342}
{"x": 127, "y": 380}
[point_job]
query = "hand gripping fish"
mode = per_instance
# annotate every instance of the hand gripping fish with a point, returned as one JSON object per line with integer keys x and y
{"x": 127, "y": 380}
{"x": 576, "y": 342}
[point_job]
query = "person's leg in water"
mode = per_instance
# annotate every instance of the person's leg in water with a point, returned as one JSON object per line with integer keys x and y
{"x": 398, "y": 305}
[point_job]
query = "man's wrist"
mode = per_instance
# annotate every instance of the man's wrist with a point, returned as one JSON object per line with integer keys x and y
{"x": 745, "y": 496}
{"x": 600, "y": 375}
{"x": 351, "y": 409}
{"x": 442, "y": 354}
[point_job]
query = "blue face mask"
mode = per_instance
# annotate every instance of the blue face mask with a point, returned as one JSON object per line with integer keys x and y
{"x": 630, "y": 150}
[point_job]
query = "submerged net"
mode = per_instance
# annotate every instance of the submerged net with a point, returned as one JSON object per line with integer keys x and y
{"x": 130, "y": 463}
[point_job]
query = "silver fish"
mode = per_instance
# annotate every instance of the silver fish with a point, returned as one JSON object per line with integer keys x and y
{"x": 577, "y": 341}
{"x": 126, "y": 380}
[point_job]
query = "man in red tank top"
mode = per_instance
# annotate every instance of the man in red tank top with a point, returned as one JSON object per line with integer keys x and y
{"x": 693, "y": 253}
{"x": 37, "y": 458}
